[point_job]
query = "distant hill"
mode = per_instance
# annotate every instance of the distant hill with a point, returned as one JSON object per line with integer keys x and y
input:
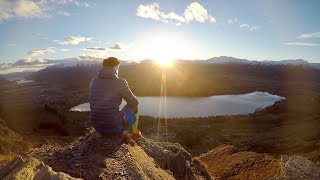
{"x": 4, "y": 81}
{"x": 232, "y": 60}
{"x": 16, "y": 75}
{"x": 187, "y": 78}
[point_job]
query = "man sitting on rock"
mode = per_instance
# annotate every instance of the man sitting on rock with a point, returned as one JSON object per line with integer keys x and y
{"x": 105, "y": 95}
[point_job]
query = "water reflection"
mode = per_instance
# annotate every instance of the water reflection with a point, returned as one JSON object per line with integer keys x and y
{"x": 181, "y": 107}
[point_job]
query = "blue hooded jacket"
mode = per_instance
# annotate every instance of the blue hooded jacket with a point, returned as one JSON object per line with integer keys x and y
{"x": 105, "y": 95}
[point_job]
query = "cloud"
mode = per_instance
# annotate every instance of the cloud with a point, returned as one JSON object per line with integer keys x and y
{"x": 29, "y": 62}
{"x": 74, "y": 2}
{"x": 20, "y": 9}
{"x": 173, "y": 16}
{"x": 149, "y": 11}
{"x": 24, "y": 64}
{"x": 197, "y": 12}
{"x": 309, "y": 35}
{"x": 73, "y": 40}
{"x": 64, "y": 50}
{"x": 6, "y": 10}
{"x": 152, "y": 11}
{"x": 30, "y": 9}
{"x": 249, "y": 27}
{"x": 193, "y": 12}
{"x": 63, "y": 13}
{"x": 232, "y": 21}
{"x": 116, "y": 46}
{"x": 4, "y": 66}
{"x": 302, "y": 44}
{"x": 39, "y": 52}
{"x": 212, "y": 19}
{"x": 97, "y": 48}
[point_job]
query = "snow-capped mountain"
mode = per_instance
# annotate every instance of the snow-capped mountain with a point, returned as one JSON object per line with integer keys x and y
{"x": 232, "y": 60}
{"x": 227, "y": 60}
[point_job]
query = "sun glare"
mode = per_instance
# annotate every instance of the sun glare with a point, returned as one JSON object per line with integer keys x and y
{"x": 164, "y": 49}
{"x": 165, "y": 62}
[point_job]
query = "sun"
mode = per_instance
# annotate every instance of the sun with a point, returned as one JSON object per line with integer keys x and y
{"x": 164, "y": 49}
{"x": 165, "y": 62}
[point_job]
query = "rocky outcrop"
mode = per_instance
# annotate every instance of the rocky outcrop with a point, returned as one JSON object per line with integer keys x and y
{"x": 173, "y": 157}
{"x": 31, "y": 168}
{"x": 118, "y": 157}
{"x": 226, "y": 162}
{"x": 99, "y": 157}
{"x": 298, "y": 167}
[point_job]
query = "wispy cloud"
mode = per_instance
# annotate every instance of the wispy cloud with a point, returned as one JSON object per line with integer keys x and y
{"x": 116, "y": 46}
{"x": 39, "y": 52}
{"x": 29, "y": 62}
{"x": 64, "y": 50}
{"x": 4, "y": 66}
{"x": 232, "y": 21}
{"x": 74, "y": 2}
{"x": 63, "y": 13}
{"x": 72, "y": 40}
{"x": 249, "y": 27}
{"x": 96, "y": 48}
{"x": 30, "y": 9}
{"x": 309, "y": 35}
{"x": 193, "y": 12}
{"x": 302, "y": 44}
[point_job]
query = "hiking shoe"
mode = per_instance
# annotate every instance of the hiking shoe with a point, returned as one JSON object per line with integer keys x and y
{"x": 136, "y": 136}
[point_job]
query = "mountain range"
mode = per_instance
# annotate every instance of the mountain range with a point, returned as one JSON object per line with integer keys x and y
{"x": 88, "y": 60}
{"x": 233, "y": 60}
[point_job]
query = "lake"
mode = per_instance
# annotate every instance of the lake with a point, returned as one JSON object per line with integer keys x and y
{"x": 183, "y": 107}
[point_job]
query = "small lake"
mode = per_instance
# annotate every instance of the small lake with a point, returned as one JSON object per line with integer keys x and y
{"x": 183, "y": 107}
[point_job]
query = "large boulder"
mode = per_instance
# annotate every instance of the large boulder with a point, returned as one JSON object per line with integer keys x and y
{"x": 299, "y": 167}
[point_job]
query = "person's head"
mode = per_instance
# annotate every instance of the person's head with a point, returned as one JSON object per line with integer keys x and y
{"x": 111, "y": 62}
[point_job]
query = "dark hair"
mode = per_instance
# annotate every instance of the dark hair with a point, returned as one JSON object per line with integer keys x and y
{"x": 111, "y": 62}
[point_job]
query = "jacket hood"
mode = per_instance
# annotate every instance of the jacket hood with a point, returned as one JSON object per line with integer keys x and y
{"x": 108, "y": 72}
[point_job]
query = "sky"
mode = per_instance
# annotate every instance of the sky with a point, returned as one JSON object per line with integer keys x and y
{"x": 34, "y": 30}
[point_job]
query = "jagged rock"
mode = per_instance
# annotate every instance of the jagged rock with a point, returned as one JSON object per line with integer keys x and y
{"x": 31, "y": 168}
{"x": 298, "y": 167}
